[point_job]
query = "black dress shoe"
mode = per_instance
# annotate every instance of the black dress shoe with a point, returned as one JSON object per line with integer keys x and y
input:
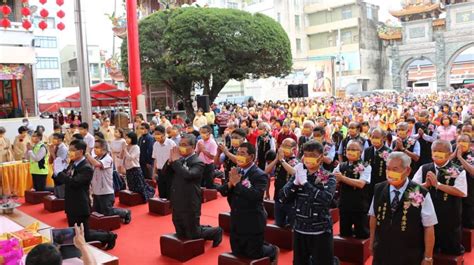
{"x": 217, "y": 238}
{"x": 128, "y": 217}
{"x": 111, "y": 241}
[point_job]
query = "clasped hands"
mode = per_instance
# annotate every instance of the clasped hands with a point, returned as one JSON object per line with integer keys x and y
{"x": 234, "y": 177}
{"x": 431, "y": 180}
{"x": 301, "y": 178}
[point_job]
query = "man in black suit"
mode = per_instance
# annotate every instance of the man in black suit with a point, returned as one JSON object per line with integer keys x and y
{"x": 77, "y": 179}
{"x": 244, "y": 192}
{"x": 187, "y": 170}
{"x": 146, "y": 143}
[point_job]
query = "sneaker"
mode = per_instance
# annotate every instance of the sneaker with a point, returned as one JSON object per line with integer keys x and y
{"x": 112, "y": 240}
{"x": 217, "y": 238}
{"x": 128, "y": 217}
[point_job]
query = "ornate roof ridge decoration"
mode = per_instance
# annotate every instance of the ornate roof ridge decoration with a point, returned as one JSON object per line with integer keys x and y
{"x": 389, "y": 31}
{"x": 416, "y": 9}
{"x": 440, "y": 22}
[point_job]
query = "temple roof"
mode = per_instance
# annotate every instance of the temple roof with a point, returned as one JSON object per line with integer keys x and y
{"x": 416, "y": 9}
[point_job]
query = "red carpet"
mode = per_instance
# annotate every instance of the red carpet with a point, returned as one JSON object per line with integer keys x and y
{"x": 139, "y": 241}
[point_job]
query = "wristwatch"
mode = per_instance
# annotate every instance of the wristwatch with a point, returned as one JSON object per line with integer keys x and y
{"x": 429, "y": 259}
{"x": 282, "y": 160}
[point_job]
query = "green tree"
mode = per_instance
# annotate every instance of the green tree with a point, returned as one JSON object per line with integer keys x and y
{"x": 187, "y": 47}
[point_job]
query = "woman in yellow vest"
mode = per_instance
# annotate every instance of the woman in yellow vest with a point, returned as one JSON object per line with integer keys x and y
{"x": 38, "y": 155}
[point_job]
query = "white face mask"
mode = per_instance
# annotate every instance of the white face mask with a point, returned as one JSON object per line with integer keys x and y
{"x": 25, "y": 124}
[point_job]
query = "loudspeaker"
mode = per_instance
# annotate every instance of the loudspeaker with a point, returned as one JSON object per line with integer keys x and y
{"x": 298, "y": 91}
{"x": 203, "y": 102}
{"x": 292, "y": 91}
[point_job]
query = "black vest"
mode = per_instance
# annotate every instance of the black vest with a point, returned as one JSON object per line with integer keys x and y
{"x": 228, "y": 164}
{"x": 263, "y": 148}
{"x": 346, "y": 141}
{"x": 425, "y": 147}
{"x": 352, "y": 199}
{"x": 469, "y": 200}
{"x": 301, "y": 141}
{"x": 413, "y": 165}
{"x": 281, "y": 177}
{"x": 378, "y": 164}
{"x": 448, "y": 208}
{"x": 396, "y": 241}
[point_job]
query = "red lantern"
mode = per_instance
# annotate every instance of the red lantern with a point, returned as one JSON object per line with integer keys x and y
{"x": 44, "y": 13}
{"x": 43, "y": 1}
{"x": 60, "y": 2}
{"x": 5, "y": 23}
{"x": 61, "y": 26}
{"x": 26, "y": 24}
{"x": 43, "y": 25}
{"x": 25, "y": 11}
{"x": 60, "y": 14}
{"x": 6, "y": 10}
{"x": 24, "y": 1}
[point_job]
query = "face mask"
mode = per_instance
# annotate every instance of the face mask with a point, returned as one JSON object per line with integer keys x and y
{"x": 402, "y": 134}
{"x": 376, "y": 141}
{"x": 464, "y": 146}
{"x": 318, "y": 139}
{"x": 158, "y": 138}
{"x": 311, "y": 162}
{"x": 241, "y": 160}
{"x": 72, "y": 155}
{"x": 352, "y": 131}
{"x": 98, "y": 151}
{"x": 261, "y": 132}
{"x": 306, "y": 131}
{"x": 287, "y": 151}
{"x": 394, "y": 178}
{"x": 235, "y": 142}
{"x": 183, "y": 150}
{"x": 25, "y": 124}
{"x": 439, "y": 156}
{"x": 352, "y": 155}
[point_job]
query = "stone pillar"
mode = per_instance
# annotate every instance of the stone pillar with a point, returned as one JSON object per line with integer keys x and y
{"x": 396, "y": 68}
{"x": 440, "y": 64}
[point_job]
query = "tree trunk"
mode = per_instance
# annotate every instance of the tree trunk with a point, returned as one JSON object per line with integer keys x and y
{"x": 188, "y": 106}
{"x": 217, "y": 86}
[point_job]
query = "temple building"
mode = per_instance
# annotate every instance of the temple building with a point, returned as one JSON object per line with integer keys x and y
{"x": 434, "y": 33}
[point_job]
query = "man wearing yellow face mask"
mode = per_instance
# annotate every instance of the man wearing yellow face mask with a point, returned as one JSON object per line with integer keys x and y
{"x": 464, "y": 158}
{"x": 207, "y": 149}
{"x": 402, "y": 216}
{"x": 306, "y": 134}
{"x": 161, "y": 154}
{"x": 311, "y": 190}
{"x": 353, "y": 134}
{"x": 407, "y": 145}
{"x": 187, "y": 170}
{"x": 426, "y": 134}
{"x": 244, "y": 192}
{"x": 59, "y": 156}
{"x": 329, "y": 149}
{"x": 447, "y": 185}
{"x": 283, "y": 165}
{"x": 265, "y": 143}
{"x": 354, "y": 178}
{"x": 376, "y": 156}
{"x": 228, "y": 156}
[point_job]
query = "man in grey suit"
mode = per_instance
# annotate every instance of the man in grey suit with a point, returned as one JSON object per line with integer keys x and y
{"x": 187, "y": 170}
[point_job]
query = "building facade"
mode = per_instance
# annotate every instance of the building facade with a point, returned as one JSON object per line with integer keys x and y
{"x": 97, "y": 69}
{"x": 432, "y": 30}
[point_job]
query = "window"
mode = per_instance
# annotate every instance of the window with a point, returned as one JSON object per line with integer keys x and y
{"x": 48, "y": 83}
{"x": 330, "y": 41}
{"x": 50, "y": 21}
{"x": 297, "y": 22}
{"x": 46, "y": 42}
{"x": 297, "y": 4}
{"x": 279, "y": 17}
{"x": 231, "y": 4}
{"x": 90, "y": 53}
{"x": 298, "y": 45}
{"x": 369, "y": 13}
{"x": 346, "y": 37}
{"x": 346, "y": 13}
{"x": 47, "y": 63}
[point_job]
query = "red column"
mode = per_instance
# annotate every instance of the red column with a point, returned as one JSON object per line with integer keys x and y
{"x": 134, "y": 72}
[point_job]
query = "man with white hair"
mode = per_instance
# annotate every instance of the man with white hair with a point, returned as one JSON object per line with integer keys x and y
{"x": 447, "y": 185}
{"x": 265, "y": 143}
{"x": 306, "y": 134}
{"x": 402, "y": 217}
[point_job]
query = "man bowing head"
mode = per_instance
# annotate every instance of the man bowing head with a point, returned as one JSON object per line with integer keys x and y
{"x": 402, "y": 217}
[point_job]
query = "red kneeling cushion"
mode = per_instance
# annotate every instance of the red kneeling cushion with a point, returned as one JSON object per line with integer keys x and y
{"x": 99, "y": 221}
{"x": 334, "y": 215}
{"x": 159, "y": 206}
{"x": 35, "y": 197}
{"x": 130, "y": 198}
{"x": 208, "y": 194}
{"x": 269, "y": 208}
{"x": 351, "y": 250}
{"x": 224, "y": 221}
{"x": 179, "y": 249}
{"x": 230, "y": 259}
{"x": 467, "y": 239}
{"x": 53, "y": 204}
{"x": 281, "y": 237}
{"x": 442, "y": 259}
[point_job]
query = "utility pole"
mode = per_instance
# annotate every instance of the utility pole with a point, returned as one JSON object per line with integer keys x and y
{"x": 339, "y": 58}
{"x": 83, "y": 64}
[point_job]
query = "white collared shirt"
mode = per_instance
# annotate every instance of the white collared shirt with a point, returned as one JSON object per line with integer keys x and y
{"x": 460, "y": 182}
{"x": 161, "y": 152}
{"x": 366, "y": 175}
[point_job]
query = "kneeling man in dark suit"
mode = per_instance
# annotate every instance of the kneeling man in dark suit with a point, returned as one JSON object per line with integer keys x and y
{"x": 244, "y": 192}
{"x": 187, "y": 170}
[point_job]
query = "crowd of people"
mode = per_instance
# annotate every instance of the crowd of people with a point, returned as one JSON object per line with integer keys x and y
{"x": 399, "y": 168}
